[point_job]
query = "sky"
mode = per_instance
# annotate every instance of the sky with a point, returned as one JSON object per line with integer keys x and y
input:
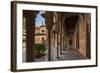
{"x": 39, "y": 20}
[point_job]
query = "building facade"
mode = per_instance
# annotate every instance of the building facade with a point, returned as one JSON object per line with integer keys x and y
{"x": 40, "y": 34}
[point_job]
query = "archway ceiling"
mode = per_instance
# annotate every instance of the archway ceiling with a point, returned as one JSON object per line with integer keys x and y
{"x": 70, "y": 22}
{"x": 69, "y": 15}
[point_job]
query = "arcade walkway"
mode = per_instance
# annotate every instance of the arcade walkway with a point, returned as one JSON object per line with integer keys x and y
{"x": 67, "y": 54}
{"x": 63, "y": 29}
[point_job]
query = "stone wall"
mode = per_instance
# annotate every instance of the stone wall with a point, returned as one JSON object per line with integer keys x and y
{"x": 82, "y": 35}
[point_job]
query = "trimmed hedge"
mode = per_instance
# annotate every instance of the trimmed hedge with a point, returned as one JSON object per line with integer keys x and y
{"x": 39, "y": 50}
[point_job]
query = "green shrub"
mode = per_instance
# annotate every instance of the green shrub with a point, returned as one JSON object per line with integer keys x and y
{"x": 39, "y": 49}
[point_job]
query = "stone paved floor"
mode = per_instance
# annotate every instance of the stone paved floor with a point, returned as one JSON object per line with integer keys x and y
{"x": 67, "y": 54}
